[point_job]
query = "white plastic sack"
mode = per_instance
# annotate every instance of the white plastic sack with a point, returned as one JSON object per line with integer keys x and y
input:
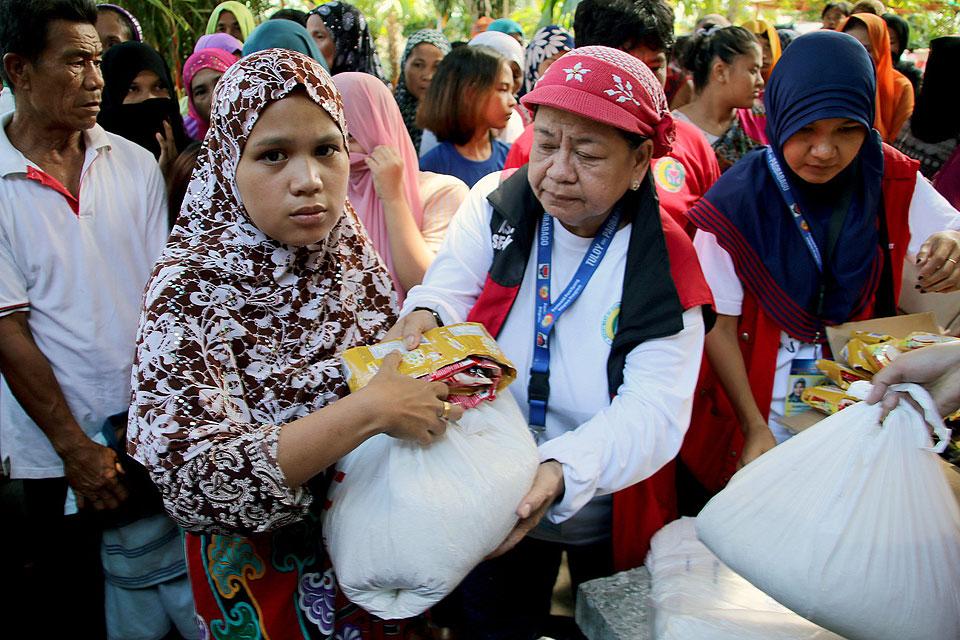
{"x": 694, "y": 596}
{"x": 407, "y": 522}
{"x": 850, "y": 524}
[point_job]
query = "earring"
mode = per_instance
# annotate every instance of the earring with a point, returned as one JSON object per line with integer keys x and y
{"x": 634, "y": 185}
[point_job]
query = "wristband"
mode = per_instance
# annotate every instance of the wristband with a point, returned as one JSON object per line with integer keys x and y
{"x": 436, "y": 316}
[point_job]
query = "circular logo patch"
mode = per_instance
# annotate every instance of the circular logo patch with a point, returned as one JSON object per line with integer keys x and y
{"x": 611, "y": 321}
{"x": 669, "y": 174}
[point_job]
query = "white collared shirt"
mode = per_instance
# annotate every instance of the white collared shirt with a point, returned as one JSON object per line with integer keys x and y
{"x": 6, "y": 100}
{"x": 79, "y": 267}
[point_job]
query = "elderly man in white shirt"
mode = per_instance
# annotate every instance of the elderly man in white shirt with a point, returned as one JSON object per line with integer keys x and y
{"x": 82, "y": 218}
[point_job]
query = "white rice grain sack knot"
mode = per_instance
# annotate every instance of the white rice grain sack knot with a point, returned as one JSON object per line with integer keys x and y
{"x": 850, "y": 524}
{"x": 407, "y": 522}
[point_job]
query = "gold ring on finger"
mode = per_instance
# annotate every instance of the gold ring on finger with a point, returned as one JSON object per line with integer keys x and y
{"x": 446, "y": 410}
{"x": 953, "y": 260}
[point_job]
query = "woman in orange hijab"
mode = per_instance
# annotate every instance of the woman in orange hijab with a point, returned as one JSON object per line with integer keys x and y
{"x": 480, "y": 26}
{"x": 769, "y": 43}
{"x": 894, "y": 91}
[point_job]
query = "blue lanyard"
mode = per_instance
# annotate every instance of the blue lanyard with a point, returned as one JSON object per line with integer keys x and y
{"x": 794, "y": 208}
{"x": 841, "y": 208}
{"x": 547, "y": 313}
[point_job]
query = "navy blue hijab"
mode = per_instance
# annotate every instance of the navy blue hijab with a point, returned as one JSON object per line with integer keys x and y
{"x": 821, "y": 75}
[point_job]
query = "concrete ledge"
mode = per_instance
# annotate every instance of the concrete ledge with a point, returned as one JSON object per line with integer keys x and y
{"x": 616, "y": 608}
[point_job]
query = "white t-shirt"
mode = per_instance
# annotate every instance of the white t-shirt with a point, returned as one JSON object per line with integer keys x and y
{"x": 81, "y": 277}
{"x": 929, "y": 212}
{"x": 604, "y": 446}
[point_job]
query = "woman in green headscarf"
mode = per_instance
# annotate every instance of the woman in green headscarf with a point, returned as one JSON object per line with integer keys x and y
{"x": 233, "y": 18}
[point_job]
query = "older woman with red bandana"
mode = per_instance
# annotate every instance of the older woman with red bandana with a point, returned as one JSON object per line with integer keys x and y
{"x": 599, "y": 300}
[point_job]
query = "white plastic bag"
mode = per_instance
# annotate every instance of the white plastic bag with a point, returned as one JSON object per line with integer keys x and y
{"x": 850, "y": 524}
{"x": 407, "y": 522}
{"x": 694, "y": 596}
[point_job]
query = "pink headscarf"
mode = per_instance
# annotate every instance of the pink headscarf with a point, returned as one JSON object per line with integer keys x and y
{"x": 216, "y": 59}
{"x": 223, "y": 41}
{"x": 373, "y": 119}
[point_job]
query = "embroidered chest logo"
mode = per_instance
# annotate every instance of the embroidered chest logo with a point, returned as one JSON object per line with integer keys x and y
{"x": 611, "y": 320}
{"x": 502, "y": 237}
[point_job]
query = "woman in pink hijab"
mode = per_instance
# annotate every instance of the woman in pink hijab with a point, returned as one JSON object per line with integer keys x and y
{"x": 405, "y": 211}
{"x": 201, "y": 72}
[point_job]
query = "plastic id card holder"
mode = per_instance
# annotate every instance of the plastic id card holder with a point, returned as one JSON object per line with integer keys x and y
{"x": 803, "y": 375}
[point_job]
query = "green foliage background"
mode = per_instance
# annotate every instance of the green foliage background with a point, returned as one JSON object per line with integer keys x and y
{"x": 173, "y": 26}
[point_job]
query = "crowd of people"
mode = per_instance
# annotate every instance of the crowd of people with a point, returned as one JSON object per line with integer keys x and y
{"x": 179, "y": 275}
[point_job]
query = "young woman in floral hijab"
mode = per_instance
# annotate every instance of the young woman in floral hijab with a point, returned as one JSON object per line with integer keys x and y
{"x": 238, "y": 401}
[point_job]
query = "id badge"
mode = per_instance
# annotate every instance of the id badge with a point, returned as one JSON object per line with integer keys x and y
{"x": 803, "y": 375}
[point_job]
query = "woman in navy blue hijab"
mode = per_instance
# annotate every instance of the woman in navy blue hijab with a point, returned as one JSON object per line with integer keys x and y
{"x": 803, "y": 106}
{"x": 809, "y": 232}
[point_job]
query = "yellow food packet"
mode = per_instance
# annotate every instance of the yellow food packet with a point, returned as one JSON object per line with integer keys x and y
{"x": 881, "y": 354}
{"x": 870, "y": 337}
{"x": 855, "y": 355}
{"x": 839, "y": 374}
{"x": 438, "y": 348}
{"x": 828, "y": 399}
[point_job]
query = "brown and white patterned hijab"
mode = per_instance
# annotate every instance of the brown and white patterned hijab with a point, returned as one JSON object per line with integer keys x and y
{"x": 240, "y": 333}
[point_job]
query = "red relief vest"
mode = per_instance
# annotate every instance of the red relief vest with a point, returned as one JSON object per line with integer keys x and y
{"x": 712, "y": 446}
{"x": 662, "y": 279}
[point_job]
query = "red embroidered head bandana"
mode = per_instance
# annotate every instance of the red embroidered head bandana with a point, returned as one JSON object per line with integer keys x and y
{"x": 609, "y": 86}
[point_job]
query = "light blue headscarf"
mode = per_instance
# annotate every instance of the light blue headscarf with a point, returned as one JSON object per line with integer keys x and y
{"x": 507, "y": 26}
